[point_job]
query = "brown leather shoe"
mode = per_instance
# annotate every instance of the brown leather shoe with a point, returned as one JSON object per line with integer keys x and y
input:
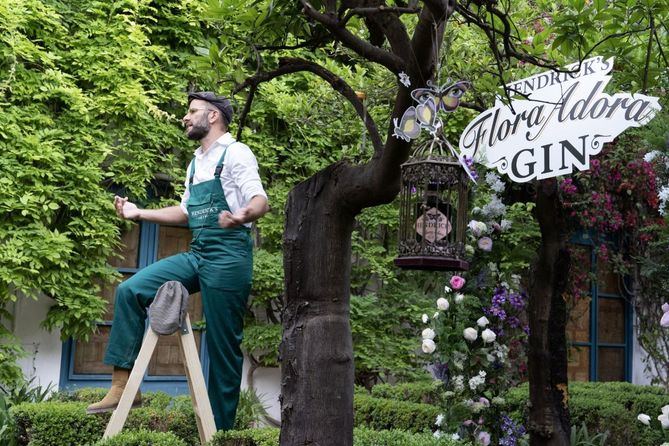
{"x": 113, "y": 397}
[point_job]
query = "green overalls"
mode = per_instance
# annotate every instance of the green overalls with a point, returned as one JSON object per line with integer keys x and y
{"x": 219, "y": 264}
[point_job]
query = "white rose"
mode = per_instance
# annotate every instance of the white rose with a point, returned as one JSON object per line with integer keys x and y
{"x": 665, "y": 409}
{"x": 459, "y": 298}
{"x": 664, "y": 420}
{"x": 428, "y": 333}
{"x": 470, "y": 334}
{"x": 482, "y": 321}
{"x": 488, "y": 336}
{"x": 424, "y": 318}
{"x": 442, "y": 304}
{"x": 428, "y": 346}
{"x": 645, "y": 419}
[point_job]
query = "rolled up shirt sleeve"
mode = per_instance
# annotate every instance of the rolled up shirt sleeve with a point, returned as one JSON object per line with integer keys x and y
{"x": 244, "y": 173}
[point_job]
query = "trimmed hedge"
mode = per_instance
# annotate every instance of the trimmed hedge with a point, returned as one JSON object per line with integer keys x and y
{"x": 247, "y": 437}
{"x": 142, "y": 438}
{"x": 611, "y": 406}
{"x": 67, "y": 424}
{"x": 361, "y": 437}
{"x": 369, "y": 437}
{"x": 56, "y": 424}
{"x": 384, "y": 414}
{"x": 429, "y": 392}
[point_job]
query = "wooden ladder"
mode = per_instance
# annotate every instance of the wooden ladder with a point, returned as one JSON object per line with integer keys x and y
{"x": 198, "y": 392}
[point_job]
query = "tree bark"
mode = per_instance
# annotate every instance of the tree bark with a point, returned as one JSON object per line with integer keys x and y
{"x": 547, "y": 358}
{"x": 316, "y": 349}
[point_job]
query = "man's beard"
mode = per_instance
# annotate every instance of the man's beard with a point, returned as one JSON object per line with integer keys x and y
{"x": 198, "y": 131}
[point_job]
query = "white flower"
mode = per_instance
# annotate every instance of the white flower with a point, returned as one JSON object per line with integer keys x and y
{"x": 436, "y": 315}
{"x": 459, "y": 383}
{"x": 455, "y": 436}
{"x": 482, "y": 373}
{"x": 428, "y": 346}
{"x": 495, "y": 208}
{"x": 475, "y": 381}
{"x": 470, "y": 334}
{"x": 645, "y": 419}
{"x": 488, "y": 336}
{"x": 498, "y": 400}
{"x": 664, "y": 420}
{"x": 665, "y": 409}
{"x": 505, "y": 224}
{"x": 477, "y": 227}
{"x": 495, "y": 182}
{"x": 437, "y": 434}
{"x": 442, "y": 304}
{"x": 440, "y": 419}
{"x": 459, "y": 298}
{"x": 650, "y": 156}
{"x": 404, "y": 79}
{"x": 424, "y": 318}
{"x": 447, "y": 289}
{"x": 482, "y": 321}
{"x": 428, "y": 333}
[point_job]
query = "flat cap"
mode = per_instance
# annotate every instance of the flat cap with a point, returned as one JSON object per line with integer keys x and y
{"x": 220, "y": 102}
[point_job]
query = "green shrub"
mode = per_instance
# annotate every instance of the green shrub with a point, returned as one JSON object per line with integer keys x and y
{"x": 56, "y": 424}
{"x": 369, "y": 437}
{"x": 606, "y": 407}
{"x": 247, "y": 437}
{"x": 383, "y": 414}
{"x": 142, "y": 438}
{"x": 361, "y": 437}
{"x": 66, "y": 423}
{"x": 159, "y": 400}
{"x": 429, "y": 392}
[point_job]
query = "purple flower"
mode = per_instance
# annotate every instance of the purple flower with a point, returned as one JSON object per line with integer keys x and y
{"x": 664, "y": 322}
{"x": 485, "y": 244}
{"x": 483, "y": 438}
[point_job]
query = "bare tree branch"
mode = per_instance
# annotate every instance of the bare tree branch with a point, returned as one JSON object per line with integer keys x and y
{"x": 294, "y": 65}
{"x": 646, "y": 67}
{"x": 377, "y": 10}
{"x": 659, "y": 46}
{"x": 245, "y": 111}
{"x": 360, "y": 46}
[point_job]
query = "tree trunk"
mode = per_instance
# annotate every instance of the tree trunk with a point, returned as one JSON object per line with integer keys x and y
{"x": 316, "y": 350}
{"x": 547, "y": 358}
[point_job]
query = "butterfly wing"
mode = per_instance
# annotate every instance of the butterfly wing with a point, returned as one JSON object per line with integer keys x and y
{"x": 408, "y": 127}
{"x": 449, "y": 97}
{"x": 421, "y": 95}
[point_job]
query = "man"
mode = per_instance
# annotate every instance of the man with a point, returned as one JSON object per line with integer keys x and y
{"x": 223, "y": 196}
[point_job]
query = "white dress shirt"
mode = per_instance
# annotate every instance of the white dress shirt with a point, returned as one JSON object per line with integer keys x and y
{"x": 239, "y": 178}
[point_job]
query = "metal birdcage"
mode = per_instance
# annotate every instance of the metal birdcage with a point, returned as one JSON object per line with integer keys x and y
{"x": 433, "y": 211}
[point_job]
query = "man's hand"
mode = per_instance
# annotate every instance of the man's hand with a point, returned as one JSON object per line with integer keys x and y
{"x": 126, "y": 209}
{"x": 227, "y": 219}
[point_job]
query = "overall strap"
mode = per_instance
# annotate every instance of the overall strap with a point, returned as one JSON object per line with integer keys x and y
{"x": 219, "y": 165}
{"x": 191, "y": 174}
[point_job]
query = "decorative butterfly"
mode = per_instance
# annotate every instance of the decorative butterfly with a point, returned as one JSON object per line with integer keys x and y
{"x": 445, "y": 97}
{"x": 426, "y": 113}
{"x": 407, "y": 128}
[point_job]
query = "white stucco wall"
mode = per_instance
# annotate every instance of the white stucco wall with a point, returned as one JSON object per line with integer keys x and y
{"x": 267, "y": 384}
{"x": 639, "y": 375}
{"x": 43, "y": 348}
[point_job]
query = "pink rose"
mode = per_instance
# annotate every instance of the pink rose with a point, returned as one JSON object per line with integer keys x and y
{"x": 457, "y": 282}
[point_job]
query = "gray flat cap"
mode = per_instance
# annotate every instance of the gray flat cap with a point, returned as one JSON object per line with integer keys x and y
{"x": 220, "y": 102}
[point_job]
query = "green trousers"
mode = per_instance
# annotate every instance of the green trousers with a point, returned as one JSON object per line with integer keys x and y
{"x": 219, "y": 265}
